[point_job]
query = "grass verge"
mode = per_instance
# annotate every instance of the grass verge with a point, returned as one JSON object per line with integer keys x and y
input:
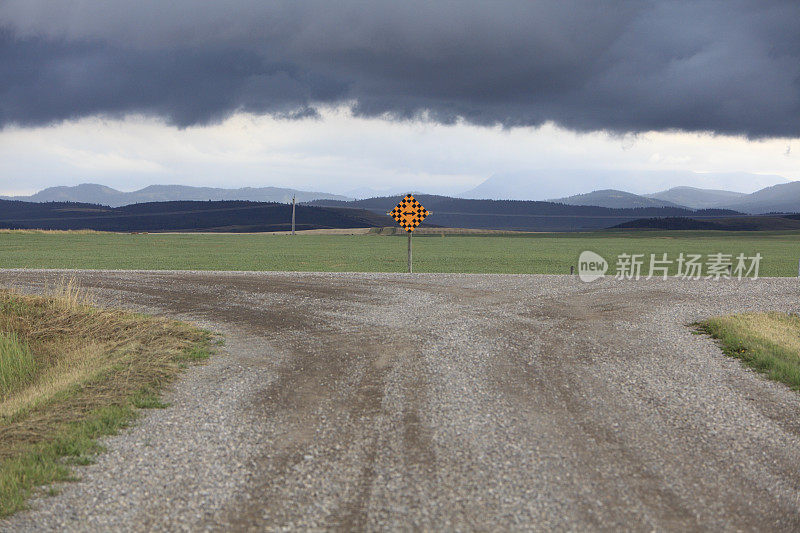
{"x": 71, "y": 373}
{"x": 767, "y": 342}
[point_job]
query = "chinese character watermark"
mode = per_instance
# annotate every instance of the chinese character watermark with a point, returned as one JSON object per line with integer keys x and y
{"x": 686, "y": 266}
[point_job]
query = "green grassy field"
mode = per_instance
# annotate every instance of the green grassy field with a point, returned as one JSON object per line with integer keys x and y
{"x": 524, "y": 253}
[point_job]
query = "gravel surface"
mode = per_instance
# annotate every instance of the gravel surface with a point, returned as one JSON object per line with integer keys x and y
{"x": 375, "y": 401}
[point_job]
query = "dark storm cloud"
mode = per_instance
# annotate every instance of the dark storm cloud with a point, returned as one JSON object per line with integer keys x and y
{"x": 724, "y": 66}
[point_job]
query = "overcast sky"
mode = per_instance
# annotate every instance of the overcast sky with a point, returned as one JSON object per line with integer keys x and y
{"x": 435, "y": 96}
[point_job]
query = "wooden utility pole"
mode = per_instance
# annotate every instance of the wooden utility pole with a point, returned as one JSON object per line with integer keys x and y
{"x": 293, "y": 205}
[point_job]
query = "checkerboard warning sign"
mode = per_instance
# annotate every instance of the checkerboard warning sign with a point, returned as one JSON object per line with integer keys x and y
{"x": 409, "y": 213}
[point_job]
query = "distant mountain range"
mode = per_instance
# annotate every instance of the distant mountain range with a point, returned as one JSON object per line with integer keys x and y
{"x": 476, "y": 213}
{"x": 782, "y": 198}
{"x": 362, "y": 193}
{"x": 544, "y": 184}
{"x": 99, "y": 194}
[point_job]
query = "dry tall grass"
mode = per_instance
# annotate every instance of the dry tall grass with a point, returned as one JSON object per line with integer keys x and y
{"x": 85, "y": 357}
{"x": 85, "y": 360}
{"x": 67, "y": 294}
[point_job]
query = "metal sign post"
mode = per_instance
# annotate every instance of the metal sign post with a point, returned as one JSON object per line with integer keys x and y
{"x": 409, "y": 213}
{"x": 410, "y": 233}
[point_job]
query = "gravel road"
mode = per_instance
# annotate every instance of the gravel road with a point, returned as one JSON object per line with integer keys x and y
{"x": 491, "y": 402}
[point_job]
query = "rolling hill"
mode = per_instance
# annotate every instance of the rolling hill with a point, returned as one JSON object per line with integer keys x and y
{"x": 752, "y": 223}
{"x": 521, "y": 215}
{"x": 614, "y": 199}
{"x": 782, "y": 198}
{"x": 232, "y": 216}
{"x": 695, "y": 198}
{"x": 100, "y": 194}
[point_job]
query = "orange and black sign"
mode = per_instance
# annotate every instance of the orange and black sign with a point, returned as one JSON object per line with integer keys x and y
{"x": 409, "y": 213}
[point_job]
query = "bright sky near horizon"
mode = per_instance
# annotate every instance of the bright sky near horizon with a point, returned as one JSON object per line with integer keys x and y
{"x": 338, "y": 152}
